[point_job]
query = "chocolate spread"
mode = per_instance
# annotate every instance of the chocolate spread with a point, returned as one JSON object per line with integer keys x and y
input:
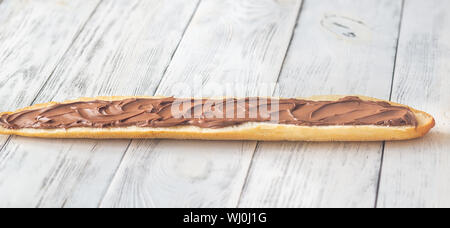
{"x": 205, "y": 113}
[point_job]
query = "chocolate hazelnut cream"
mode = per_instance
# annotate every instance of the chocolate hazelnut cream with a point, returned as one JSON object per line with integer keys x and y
{"x": 210, "y": 113}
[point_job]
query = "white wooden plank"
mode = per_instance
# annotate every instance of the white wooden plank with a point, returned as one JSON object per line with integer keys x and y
{"x": 32, "y": 42}
{"x": 339, "y": 47}
{"x": 123, "y": 50}
{"x": 242, "y": 42}
{"x": 417, "y": 173}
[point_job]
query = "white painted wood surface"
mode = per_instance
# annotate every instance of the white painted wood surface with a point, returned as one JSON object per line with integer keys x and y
{"x": 228, "y": 42}
{"x": 60, "y": 49}
{"x": 323, "y": 59}
{"x": 32, "y": 42}
{"x": 417, "y": 173}
{"x": 124, "y": 49}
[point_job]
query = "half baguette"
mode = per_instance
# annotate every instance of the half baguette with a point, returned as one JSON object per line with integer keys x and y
{"x": 248, "y": 131}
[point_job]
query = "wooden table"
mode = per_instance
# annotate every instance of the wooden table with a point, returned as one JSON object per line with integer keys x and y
{"x": 63, "y": 49}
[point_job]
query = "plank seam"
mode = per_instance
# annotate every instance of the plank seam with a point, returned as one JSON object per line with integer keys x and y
{"x": 156, "y": 89}
{"x": 273, "y": 93}
{"x": 247, "y": 174}
{"x": 289, "y": 45}
{"x": 115, "y": 174}
{"x": 65, "y": 53}
{"x": 380, "y": 171}
{"x": 390, "y": 99}
{"x": 56, "y": 66}
{"x": 178, "y": 45}
{"x": 5, "y": 144}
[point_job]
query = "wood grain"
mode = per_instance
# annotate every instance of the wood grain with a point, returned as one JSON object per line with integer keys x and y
{"x": 32, "y": 43}
{"x": 125, "y": 48}
{"x": 416, "y": 173}
{"x": 61, "y": 49}
{"x": 339, "y": 47}
{"x": 239, "y": 45}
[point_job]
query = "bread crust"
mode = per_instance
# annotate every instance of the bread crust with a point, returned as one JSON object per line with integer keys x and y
{"x": 248, "y": 131}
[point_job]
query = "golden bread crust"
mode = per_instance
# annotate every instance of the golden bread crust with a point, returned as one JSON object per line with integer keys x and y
{"x": 248, "y": 131}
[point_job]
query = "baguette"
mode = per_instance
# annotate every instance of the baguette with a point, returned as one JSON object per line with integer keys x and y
{"x": 263, "y": 131}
